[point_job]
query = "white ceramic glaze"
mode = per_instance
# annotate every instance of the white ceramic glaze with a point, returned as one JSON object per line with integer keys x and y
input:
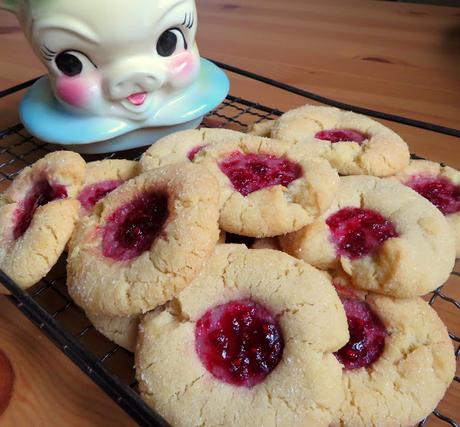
{"x": 134, "y": 139}
{"x": 132, "y": 64}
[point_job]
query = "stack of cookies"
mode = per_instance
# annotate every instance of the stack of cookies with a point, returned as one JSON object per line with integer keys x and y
{"x": 270, "y": 278}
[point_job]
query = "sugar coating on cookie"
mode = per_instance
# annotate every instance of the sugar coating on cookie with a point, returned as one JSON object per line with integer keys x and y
{"x": 37, "y": 216}
{"x": 440, "y": 185}
{"x": 354, "y": 144}
{"x": 388, "y": 238}
{"x": 145, "y": 241}
{"x": 268, "y": 187}
{"x": 256, "y": 329}
{"x": 102, "y": 177}
{"x": 183, "y": 146}
{"x": 412, "y": 364}
{"x": 121, "y": 330}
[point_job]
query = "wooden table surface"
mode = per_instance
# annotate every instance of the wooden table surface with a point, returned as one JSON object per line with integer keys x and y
{"x": 399, "y": 58}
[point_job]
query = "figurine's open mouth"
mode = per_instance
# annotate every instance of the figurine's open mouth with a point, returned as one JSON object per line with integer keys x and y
{"x": 137, "y": 98}
{"x": 137, "y": 104}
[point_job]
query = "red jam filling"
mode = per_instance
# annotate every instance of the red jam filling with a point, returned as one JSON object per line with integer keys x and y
{"x": 367, "y": 335}
{"x": 338, "y": 135}
{"x": 252, "y": 172}
{"x": 40, "y": 194}
{"x": 92, "y": 193}
{"x": 132, "y": 228}
{"x": 236, "y": 238}
{"x": 358, "y": 232}
{"x": 239, "y": 343}
{"x": 194, "y": 151}
{"x": 440, "y": 191}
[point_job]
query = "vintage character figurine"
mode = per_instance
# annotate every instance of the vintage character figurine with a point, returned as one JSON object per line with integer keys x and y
{"x": 121, "y": 73}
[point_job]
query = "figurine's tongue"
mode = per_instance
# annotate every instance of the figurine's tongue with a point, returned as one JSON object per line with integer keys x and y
{"x": 137, "y": 98}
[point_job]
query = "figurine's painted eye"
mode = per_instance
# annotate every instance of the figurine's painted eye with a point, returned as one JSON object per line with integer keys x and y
{"x": 170, "y": 41}
{"x": 69, "y": 64}
{"x": 72, "y": 63}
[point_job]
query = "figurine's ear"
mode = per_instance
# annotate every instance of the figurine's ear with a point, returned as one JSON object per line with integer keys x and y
{"x": 10, "y": 5}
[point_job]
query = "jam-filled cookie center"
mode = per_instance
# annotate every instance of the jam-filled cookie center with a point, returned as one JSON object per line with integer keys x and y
{"x": 40, "y": 194}
{"x": 357, "y": 232}
{"x": 239, "y": 343}
{"x": 367, "y": 335}
{"x": 440, "y": 191}
{"x": 194, "y": 151}
{"x": 339, "y": 135}
{"x": 132, "y": 228}
{"x": 252, "y": 172}
{"x": 92, "y": 193}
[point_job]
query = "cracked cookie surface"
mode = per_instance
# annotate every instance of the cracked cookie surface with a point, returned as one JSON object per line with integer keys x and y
{"x": 37, "y": 216}
{"x": 268, "y": 187}
{"x": 354, "y": 144}
{"x": 303, "y": 389}
{"x": 411, "y": 375}
{"x": 183, "y": 146}
{"x": 439, "y": 184}
{"x": 121, "y": 330}
{"x": 144, "y": 242}
{"x": 412, "y": 262}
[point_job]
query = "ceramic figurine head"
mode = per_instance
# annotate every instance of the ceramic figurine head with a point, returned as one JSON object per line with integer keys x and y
{"x": 113, "y": 57}
{"x": 122, "y": 73}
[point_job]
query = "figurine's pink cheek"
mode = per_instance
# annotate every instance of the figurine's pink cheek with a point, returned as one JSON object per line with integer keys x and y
{"x": 75, "y": 91}
{"x": 184, "y": 68}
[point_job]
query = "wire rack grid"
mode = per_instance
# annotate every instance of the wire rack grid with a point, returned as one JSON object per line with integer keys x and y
{"x": 49, "y": 306}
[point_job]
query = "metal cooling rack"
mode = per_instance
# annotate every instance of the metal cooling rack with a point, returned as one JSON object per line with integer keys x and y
{"x": 50, "y": 308}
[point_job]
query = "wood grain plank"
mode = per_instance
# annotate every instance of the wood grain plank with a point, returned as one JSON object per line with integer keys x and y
{"x": 49, "y": 390}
